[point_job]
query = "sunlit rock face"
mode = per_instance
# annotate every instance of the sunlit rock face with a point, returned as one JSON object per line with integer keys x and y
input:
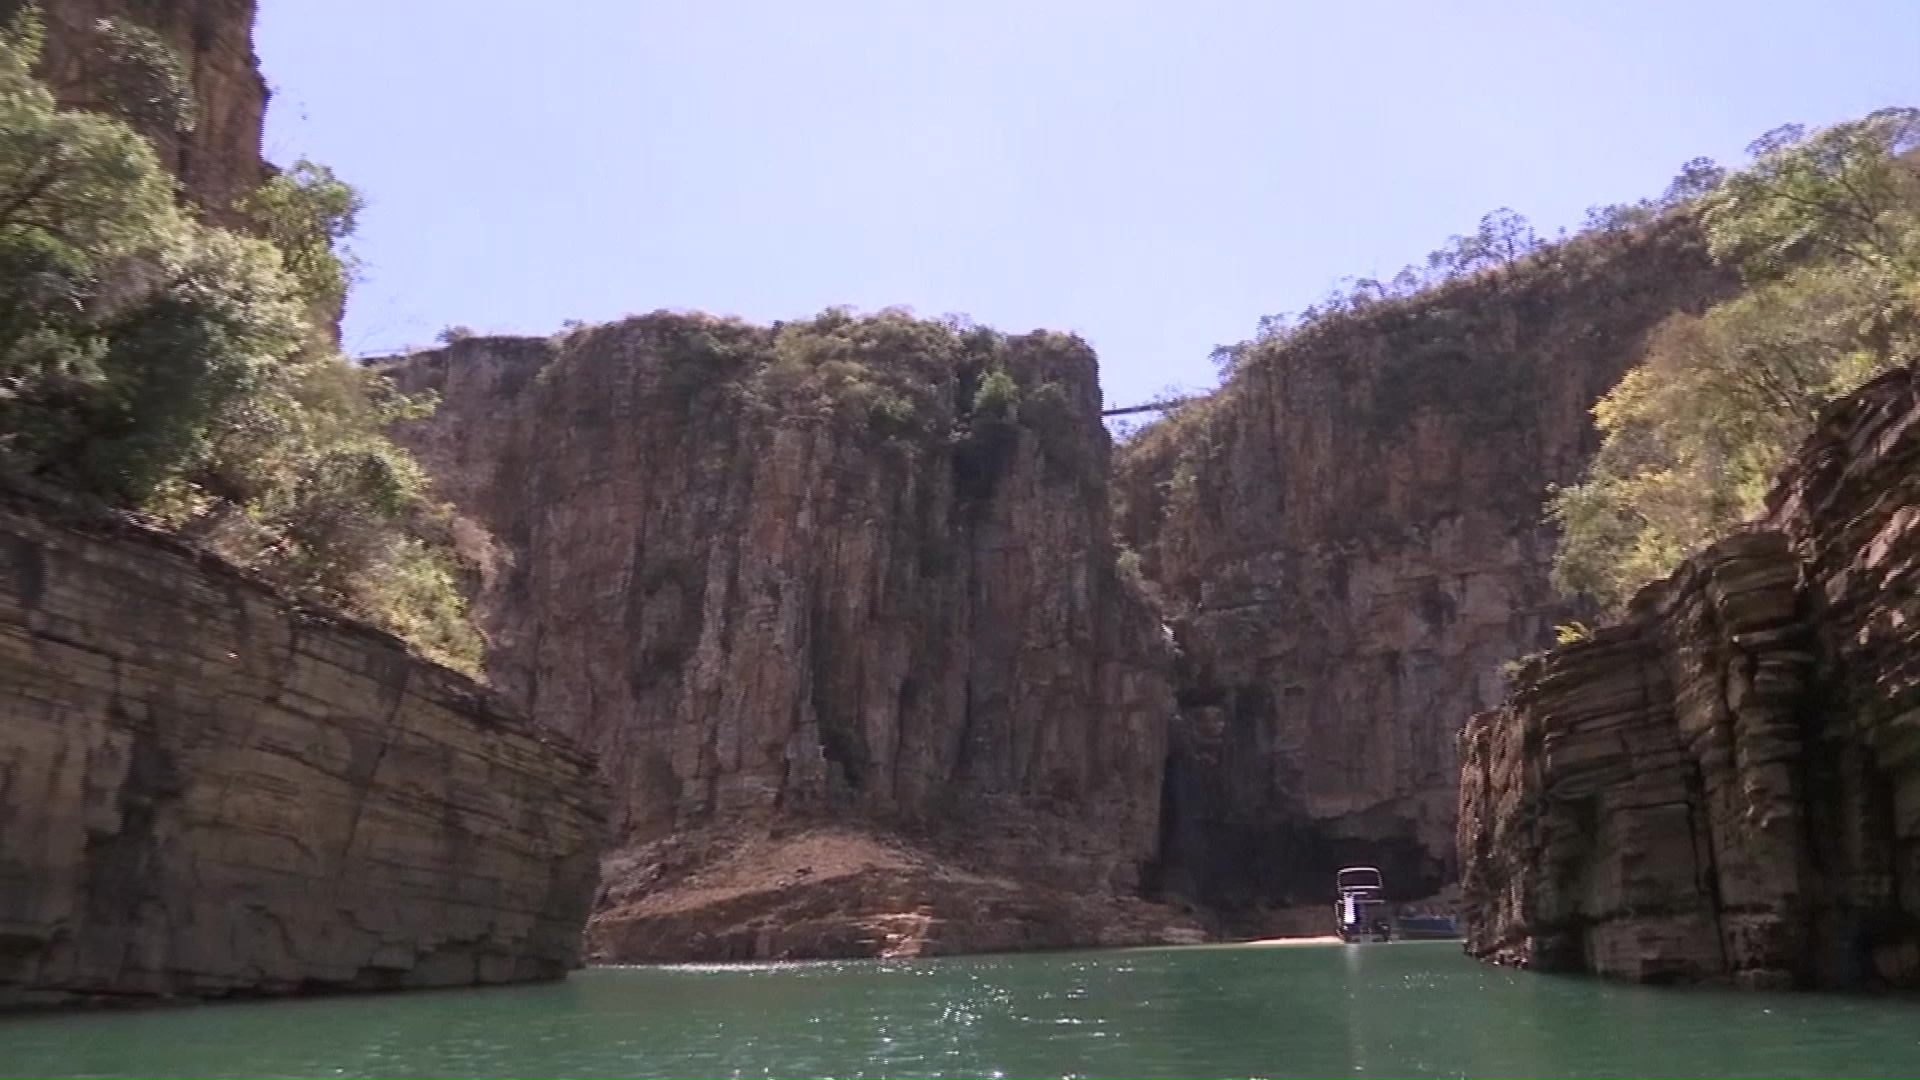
{"x": 764, "y": 604}
{"x": 1726, "y": 785}
{"x": 1350, "y": 535}
{"x": 205, "y": 791}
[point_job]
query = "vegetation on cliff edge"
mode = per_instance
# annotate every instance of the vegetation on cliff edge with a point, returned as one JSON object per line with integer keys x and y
{"x": 180, "y": 370}
{"x": 912, "y": 387}
{"x": 1825, "y": 230}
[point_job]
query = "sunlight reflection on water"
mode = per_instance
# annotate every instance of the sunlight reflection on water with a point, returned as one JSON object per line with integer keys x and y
{"x": 1416, "y": 1009}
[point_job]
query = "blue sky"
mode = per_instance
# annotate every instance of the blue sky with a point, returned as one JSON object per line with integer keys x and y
{"x": 1152, "y": 176}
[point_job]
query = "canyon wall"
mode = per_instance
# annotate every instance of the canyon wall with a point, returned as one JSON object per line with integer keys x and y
{"x": 219, "y": 160}
{"x": 1349, "y": 533}
{"x": 206, "y": 792}
{"x": 853, "y": 570}
{"x": 1726, "y": 785}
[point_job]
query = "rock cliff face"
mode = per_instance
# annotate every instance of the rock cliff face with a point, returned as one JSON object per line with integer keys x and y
{"x": 1727, "y": 784}
{"x": 204, "y": 792}
{"x": 1350, "y": 533}
{"x": 219, "y": 160}
{"x": 851, "y": 570}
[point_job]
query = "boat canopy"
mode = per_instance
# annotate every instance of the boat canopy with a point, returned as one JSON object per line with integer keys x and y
{"x": 1359, "y": 877}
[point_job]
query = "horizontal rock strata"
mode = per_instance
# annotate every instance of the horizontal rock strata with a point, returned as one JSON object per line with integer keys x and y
{"x": 206, "y": 792}
{"x": 1726, "y": 785}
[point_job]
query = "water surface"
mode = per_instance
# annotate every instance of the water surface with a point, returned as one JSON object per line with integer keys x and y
{"x": 1407, "y": 1009}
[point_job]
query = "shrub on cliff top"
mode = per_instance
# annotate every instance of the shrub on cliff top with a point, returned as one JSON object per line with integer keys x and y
{"x": 882, "y": 372}
{"x": 173, "y": 368}
{"x": 1826, "y": 230}
{"x": 910, "y": 381}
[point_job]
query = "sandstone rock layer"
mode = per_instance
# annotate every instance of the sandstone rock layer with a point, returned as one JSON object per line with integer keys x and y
{"x": 1726, "y": 785}
{"x": 1350, "y": 533}
{"x": 204, "y": 792}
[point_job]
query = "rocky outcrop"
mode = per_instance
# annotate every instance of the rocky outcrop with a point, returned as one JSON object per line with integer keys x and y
{"x": 847, "y": 571}
{"x": 219, "y": 160}
{"x": 206, "y": 792}
{"x": 832, "y": 891}
{"x": 1647, "y": 820}
{"x": 1350, "y": 533}
{"x": 1726, "y": 785}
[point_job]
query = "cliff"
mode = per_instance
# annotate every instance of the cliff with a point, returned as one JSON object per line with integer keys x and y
{"x": 1726, "y": 785}
{"x": 851, "y": 571}
{"x": 1349, "y": 534}
{"x": 219, "y": 160}
{"x": 205, "y": 792}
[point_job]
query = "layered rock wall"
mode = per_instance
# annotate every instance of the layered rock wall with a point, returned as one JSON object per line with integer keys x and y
{"x": 1726, "y": 785}
{"x": 205, "y": 792}
{"x": 1350, "y": 531}
{"x": 774, "y": 580}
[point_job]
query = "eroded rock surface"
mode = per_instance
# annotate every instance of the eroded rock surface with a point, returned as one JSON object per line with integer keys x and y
{"x": 773, "y": 586}
{"x": 204, "y": 792}
{"x": 1726, "y": 785}
{"x": 1350, "y": 533}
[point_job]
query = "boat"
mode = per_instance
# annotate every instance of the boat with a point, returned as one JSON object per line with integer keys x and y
{"x": 1425, "y": 928}
{"x": 1360, "y": 909}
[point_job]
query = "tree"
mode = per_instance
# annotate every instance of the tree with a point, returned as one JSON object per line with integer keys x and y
{"x": 143, "y": 79}
{"x": 76, "y": 186}
{"x": 1845, "y": 193}
{"x": 109, "y": 295}
{"x": 1824, "y": 229}
{"x": 1693, "y": 436}
{"x": 1697, "y": 178}
{"x": 1502, "y": 237}
{"x": 173, "y": 369}
{"x": 308, "y": 212}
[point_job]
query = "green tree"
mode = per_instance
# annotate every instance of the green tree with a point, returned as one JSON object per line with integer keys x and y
{"x": 143, "y": 79}
{"x": 110, "y": 295}
{"x": 308, "y": 213}
{"x": 1693, "y": 436}
{"x": 173, "y": 369}
{"x": 1824, "y": 230}
{"x": 1843, "y": 194}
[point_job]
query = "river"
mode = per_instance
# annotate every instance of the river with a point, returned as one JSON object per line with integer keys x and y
{"x": 1411, "y": 1009}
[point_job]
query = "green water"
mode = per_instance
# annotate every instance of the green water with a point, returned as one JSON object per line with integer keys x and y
{"x": 1413, "y": 1009}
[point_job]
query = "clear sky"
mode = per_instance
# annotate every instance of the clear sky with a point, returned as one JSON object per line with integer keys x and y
{"x": 1152, "y": 176}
